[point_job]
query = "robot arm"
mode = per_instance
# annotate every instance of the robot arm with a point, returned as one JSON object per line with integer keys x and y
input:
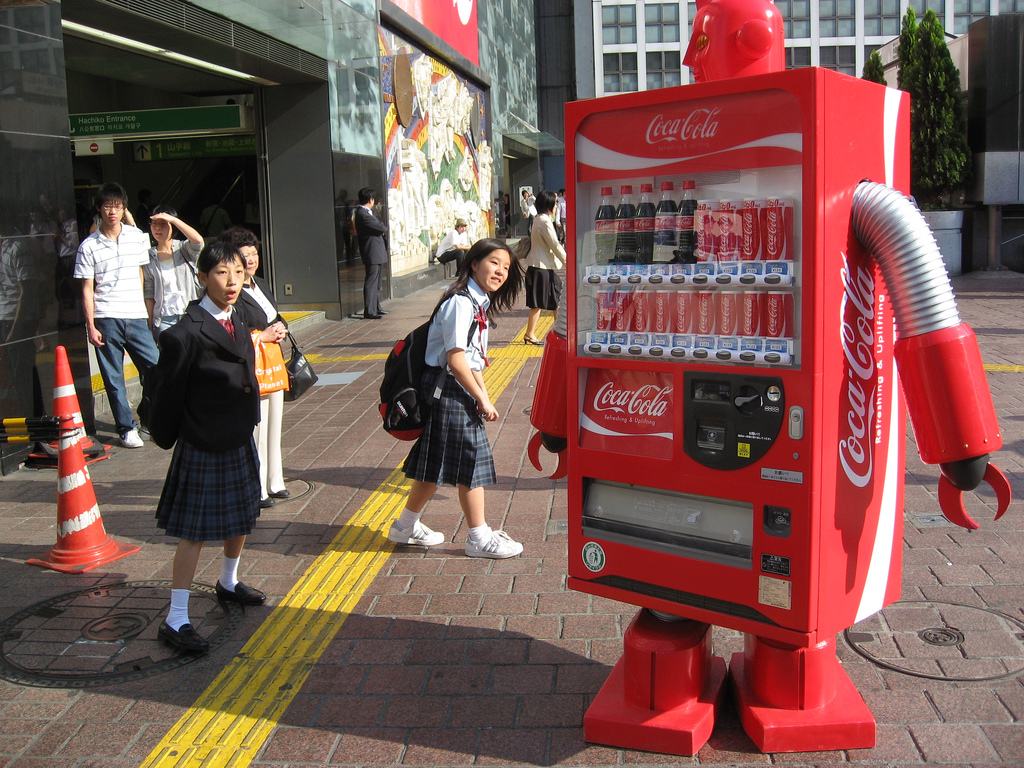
{"x": 937, "y": 355}
{"x": 548, "y": 414}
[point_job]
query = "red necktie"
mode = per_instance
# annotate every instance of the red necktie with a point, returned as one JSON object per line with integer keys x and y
{"x": 228, "y": 326}
{"x": 481, "y": 322}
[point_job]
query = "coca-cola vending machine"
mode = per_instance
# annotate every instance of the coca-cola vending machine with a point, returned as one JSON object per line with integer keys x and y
{"x": 737, "y": 452}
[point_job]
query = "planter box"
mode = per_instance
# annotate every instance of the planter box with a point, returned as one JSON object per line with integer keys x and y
{"x": 947, "y": 227}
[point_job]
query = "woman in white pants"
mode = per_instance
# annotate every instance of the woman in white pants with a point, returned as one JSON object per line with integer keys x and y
{"x": 260, "y": 313}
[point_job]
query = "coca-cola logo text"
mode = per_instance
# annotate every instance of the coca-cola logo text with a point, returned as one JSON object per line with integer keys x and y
{"x": 646, "y": 400}
{"x": 856, "y": 334}
{"x": 773, "y": 217}
{"x": 699, "y": 124}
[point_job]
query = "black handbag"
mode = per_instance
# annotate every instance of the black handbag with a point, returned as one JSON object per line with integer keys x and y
{"x": 301, "y": 375}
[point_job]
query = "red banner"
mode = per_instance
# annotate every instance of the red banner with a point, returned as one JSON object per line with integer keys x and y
{"x": 454, "y": 21}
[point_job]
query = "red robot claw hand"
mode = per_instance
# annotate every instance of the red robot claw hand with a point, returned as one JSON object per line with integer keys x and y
{"x": 548, "y": 414}
{"x": 550, "y": 443}
{"x": 951, "y": 498}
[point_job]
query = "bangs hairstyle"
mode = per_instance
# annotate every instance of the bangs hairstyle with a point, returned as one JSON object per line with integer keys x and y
{"x": 170, "y": 211}
{"x": 111, "y": 193}
{"x": 505, "y": 297}
{"x": 217, "y": 252}
{"x": 239, "y": 237}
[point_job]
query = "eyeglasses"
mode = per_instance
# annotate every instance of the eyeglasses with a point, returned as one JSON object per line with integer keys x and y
{"x": 112, "y": 207}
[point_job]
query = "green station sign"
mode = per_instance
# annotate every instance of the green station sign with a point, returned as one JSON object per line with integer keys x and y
{"x": 219, "y": 117}
{"x": 183, "y": 149}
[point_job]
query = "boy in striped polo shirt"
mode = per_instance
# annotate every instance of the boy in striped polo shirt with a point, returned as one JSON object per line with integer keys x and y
{"x": 109, "y": 264}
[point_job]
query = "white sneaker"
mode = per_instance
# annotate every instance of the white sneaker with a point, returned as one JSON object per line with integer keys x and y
{"x": 419, "y": 534}
{"x": 131, "y": 439}
{"x": 498, "y": 547}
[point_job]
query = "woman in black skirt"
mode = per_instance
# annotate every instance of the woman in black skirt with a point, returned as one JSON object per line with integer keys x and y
{"x": 204, "y": 397}
{"x": 545, "y": 260}
{"x": 453, "y": 449}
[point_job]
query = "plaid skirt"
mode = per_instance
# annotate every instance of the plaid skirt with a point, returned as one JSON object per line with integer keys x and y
{"x": 543, "y": 288}
{"x": 210, "y": 495}
{"x": 453, "y": 449}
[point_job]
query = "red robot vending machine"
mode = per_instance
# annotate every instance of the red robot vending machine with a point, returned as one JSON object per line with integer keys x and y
{"x": 733, "y": 427}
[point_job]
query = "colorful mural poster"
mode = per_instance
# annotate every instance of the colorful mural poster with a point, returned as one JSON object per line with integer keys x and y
{"x": 437, "y": 153}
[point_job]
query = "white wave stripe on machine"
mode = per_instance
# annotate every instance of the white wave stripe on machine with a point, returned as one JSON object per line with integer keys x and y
{"x": 880, "y": 566}
{"x": 593, "y": 154}
{"x": 591, "y": 426}
{"x": 891, "y": 114}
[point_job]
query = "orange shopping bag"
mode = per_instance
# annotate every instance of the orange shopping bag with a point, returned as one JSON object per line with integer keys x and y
{"x": 270, "y": 370}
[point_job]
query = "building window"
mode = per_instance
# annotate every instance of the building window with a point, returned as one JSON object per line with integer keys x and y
{"x": 841, "y": 58}
{"x": 1018, "y": 6}
{"x": 966, "y": 12}
{"x": 881, "y": 17}
{"x": 663, "y": 69}
{"x": 620, "y": 73}
{"x": 661, "y": 22}
{"x": 798, "y": 57}
{"x": 797, "y": 16}
{"x": 920, "y": 6}
{"x": 618, "y": 24}
{"x": 836, "y": 18}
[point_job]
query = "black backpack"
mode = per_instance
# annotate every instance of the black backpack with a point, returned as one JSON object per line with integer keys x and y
{"x": 402, "y": 406}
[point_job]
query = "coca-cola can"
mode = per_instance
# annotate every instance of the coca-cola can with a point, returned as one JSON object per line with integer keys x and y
{"x": 621, "y": 320}
{"x": 777, "y": 315}
{"x": 727, "y": 241}
{"x": 776, "y": 229}
{"x": 750, "y": 230}
{"x": 704, "y": 230}
{"x": 641, "y": 315}
{"x": 605, "y": 310}
{"x": 727, "y": 314}
{"x": 749, "y": 322}
{"x": 682, "y": 312}
{"x": 662, "y": 306}
{"x": 704, "y": 313}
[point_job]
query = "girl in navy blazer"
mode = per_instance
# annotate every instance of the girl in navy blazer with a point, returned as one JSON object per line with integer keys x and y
{"x": 205, "y": 403}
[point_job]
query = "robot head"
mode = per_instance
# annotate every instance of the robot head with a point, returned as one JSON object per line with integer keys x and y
{"x": 735, "y": 38}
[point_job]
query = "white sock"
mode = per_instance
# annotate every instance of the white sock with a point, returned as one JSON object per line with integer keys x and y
{"x": 178, "y": 614}
{"x": 480, "y": 534}
{"x": 408, "y": 519}
{"x": 229, "y": 573}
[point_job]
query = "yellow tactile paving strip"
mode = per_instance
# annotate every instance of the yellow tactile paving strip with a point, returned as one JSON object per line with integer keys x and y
{"x": 234, "y": 716}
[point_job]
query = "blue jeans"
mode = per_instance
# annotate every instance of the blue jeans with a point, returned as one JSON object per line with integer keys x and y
{"x": 135, "y": 337}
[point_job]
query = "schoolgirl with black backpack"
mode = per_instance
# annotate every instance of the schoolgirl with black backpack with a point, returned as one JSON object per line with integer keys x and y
{"x": 453, "y": 448}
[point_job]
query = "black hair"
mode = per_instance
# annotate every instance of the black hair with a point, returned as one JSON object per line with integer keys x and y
{"x": 170, "y": 211}
{"x": 217, "y": 252}
{"x": 562, "y": 191}
{"x": 111, "y": 192}
{"x": 239, "y": 237}
{"x": 505, "y": 297}
{"x": 366, "y": 194}
{"x": 545, "y": 202}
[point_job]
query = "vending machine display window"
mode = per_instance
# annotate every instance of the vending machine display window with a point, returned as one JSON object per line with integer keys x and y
{"x": 694, "y": 526}
{"x": 700, "y": 261}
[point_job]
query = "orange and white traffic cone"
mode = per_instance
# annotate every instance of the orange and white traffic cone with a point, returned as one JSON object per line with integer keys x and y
{"x": 65, "y": 403}
{"x": 82, "y": 541}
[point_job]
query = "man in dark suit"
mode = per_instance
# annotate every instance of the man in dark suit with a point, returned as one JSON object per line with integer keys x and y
{"x": 373, "y": 248}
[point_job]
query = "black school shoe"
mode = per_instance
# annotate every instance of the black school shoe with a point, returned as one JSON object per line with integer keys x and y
{"x": 282, "y": 494}
{"x": 243, "y": 595}
{"x": 184, "y": 638}
{"x": 266, "y": 503}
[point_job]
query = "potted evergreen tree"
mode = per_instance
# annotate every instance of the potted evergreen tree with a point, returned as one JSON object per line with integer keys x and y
{"x": 938, "y": 130}
{"x": 874, "y": 71}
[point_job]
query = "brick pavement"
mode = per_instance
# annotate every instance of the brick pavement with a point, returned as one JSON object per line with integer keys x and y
{"x": 449, "y": 661}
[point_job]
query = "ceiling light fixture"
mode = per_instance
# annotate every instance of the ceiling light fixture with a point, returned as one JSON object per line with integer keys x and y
{"x": 109, "y": 38}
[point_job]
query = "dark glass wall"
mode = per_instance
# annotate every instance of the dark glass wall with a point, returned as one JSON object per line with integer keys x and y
{"x": 39, "y": 301}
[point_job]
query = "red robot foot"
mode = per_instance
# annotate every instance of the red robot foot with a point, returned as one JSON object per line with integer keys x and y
{"x": 951, "y": 498}
{"x": 553, "y": 444}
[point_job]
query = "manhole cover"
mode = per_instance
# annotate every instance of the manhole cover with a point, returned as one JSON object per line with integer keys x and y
{"x": 942, "y": 641}
{"x": 941, "y": 636}
{"x": 104, "y": 635}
